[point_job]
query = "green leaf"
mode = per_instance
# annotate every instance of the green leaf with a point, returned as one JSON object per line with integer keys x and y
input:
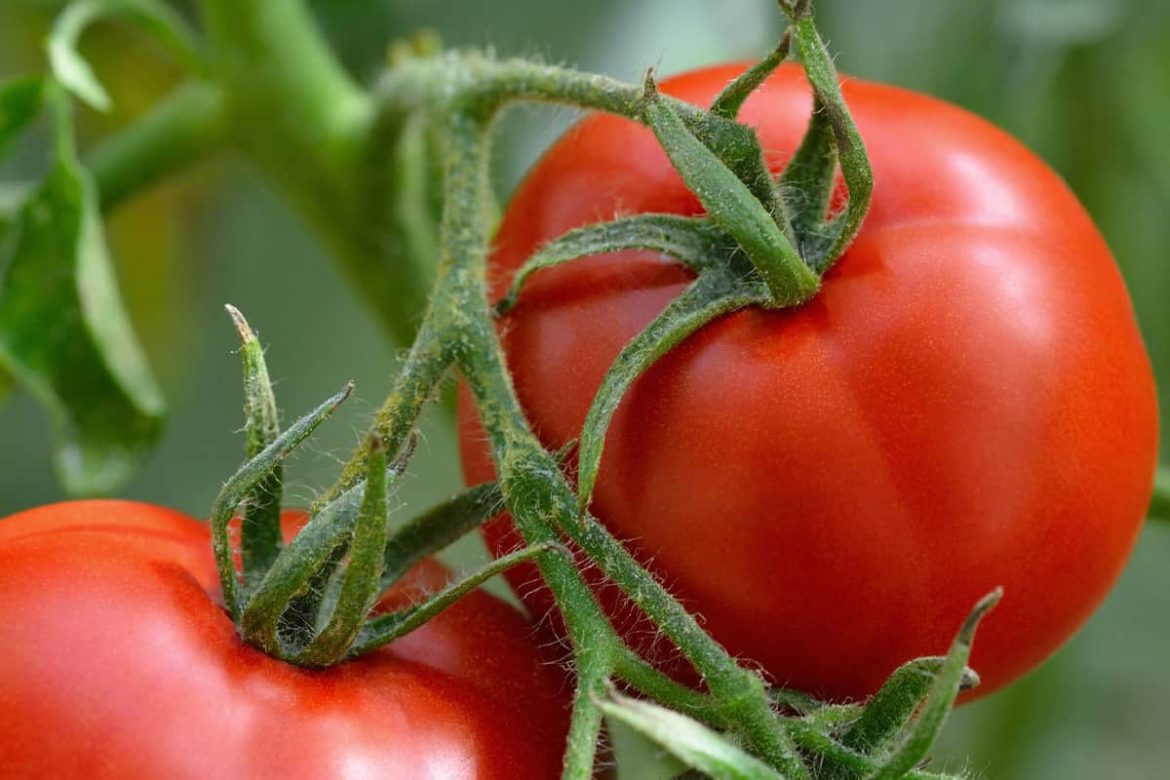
{"x": 75, "y": 74}
{"x": 688, "y": 740}
{"x": 65, "y": 336}
{"x": 20, "y": 102}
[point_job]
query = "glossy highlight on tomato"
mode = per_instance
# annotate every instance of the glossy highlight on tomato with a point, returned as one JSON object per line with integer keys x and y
{"x": 966, "y": 404}
{"x": 116, "y": 660}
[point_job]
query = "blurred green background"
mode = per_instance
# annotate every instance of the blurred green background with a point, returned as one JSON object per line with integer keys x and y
{"x": 1086, "y": 83}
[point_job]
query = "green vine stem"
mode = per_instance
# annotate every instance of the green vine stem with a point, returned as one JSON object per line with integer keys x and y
{"x": 183, "y": 128}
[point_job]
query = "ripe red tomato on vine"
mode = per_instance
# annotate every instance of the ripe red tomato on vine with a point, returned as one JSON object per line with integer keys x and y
{"x": 967, "y": 402}
{"x": 120, "y": 662}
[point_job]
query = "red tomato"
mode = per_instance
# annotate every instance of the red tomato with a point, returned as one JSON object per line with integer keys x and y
{"x": 966, "y": 404}
{"x": 116, "y": 660}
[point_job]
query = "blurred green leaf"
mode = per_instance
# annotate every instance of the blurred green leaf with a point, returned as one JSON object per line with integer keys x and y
{"x": 65, "y": 336}
{"x": 690, "y": 741}
{"x": 72, "y": 70}
{"x": 20, "y": 102}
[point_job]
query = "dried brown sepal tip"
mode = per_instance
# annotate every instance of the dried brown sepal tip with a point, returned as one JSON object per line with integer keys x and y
{"x": 798, "y": 9}
{"x": 375, "y": 443}
{"x": 649, "y": 87}
{"x": 242, "y": 326}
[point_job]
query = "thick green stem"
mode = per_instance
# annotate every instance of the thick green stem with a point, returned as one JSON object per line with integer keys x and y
{"x": 296, "y": 112}
{"x": 183, "y": 128}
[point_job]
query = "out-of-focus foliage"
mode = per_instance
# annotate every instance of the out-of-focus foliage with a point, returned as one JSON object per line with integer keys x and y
{"x": 1086, "y": 83}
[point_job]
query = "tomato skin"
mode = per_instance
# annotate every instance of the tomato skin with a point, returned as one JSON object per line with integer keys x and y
{"x": 116, "y": 662}
{"x": 966, "y": 404}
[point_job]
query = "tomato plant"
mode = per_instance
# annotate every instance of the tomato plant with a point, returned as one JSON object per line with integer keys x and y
{"x": 119, "y": 661}
{"x": 858, "y": 367}
{"x": 967, "y": 402}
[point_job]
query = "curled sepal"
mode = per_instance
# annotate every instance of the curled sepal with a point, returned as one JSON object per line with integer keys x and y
{"x": 693, "y": 242}
{"x": 728, "y": 102}
{"x": 916, "y": 742}
{"x": 892, "y": 707}
{"x": 74, "y": 73}
{"x": 712, "y": 294}
{"x": 829, "y": 104}
{"x": 687, "y": 740}
{"x": 439, "y": 527}
{"x": 360, "y": 583}
{"x": 260, "y": 539}
{"x": 295, "y": 590}
{"x": 245, "y": 480}
{"x": 731, "y": 205}
{"x": 386, "y": 628}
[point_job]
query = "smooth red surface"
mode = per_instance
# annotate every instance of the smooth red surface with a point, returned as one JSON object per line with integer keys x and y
{"x": 116, "y": 662}
{"x": 967, "y": 403}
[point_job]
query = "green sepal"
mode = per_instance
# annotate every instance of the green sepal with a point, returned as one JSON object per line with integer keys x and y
{"x": 714, "y": 293}
{"x": 223, "y": 509}
{"x": 64, "y": 334}
{"x": 75, "y": 74}
{"x": 917, "y": 740}
{"x": 360, "y": 580}
{"x": 892, "y": 707}
{"x": 439, "y": 527}
{"x": 851, "y": 155}
{"x": 260, "y": 535}
{"x": 728, "y": 102}
{"x": 384, "y": 629}
{"x": 806, "y": 187}
{"x": 731, "y": 205}
{"x": 686, "y": 739}
{"x": 738, "y": 147}
{"x": 288, "y": 608}
{"x": 691, "y": 241}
